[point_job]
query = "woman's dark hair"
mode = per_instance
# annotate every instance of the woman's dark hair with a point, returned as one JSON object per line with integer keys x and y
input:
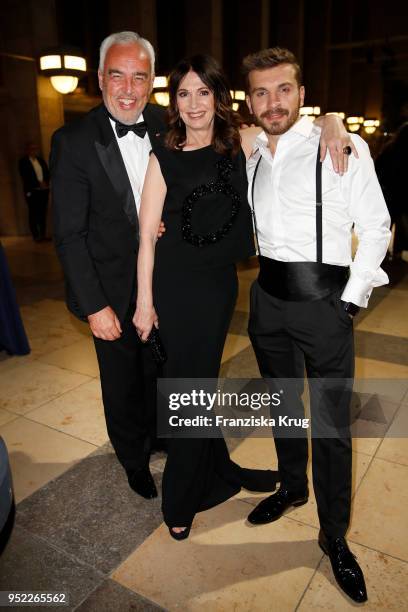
{"x": 226, "y": 138}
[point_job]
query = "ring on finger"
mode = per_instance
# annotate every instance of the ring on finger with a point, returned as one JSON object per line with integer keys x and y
{"x": 347, "y": 150}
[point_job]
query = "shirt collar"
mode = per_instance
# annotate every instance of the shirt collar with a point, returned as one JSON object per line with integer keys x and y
{"x": 302, "y": 127}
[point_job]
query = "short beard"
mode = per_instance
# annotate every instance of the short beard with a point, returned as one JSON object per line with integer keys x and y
{"x": 278, "y": 128}
{"x": 125, "y": 120}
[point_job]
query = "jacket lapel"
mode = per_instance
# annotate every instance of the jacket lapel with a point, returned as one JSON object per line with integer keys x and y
{"x": 155, "y": 122}
{"x": 111, "y": 159}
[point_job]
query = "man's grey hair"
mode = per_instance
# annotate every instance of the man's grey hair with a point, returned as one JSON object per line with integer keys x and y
{"x": 125, "y": 38}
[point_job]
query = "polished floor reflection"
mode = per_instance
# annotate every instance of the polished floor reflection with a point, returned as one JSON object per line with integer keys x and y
{"x": 79, "y": 527}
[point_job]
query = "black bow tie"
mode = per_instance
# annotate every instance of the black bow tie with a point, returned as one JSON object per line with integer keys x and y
{"x": 139, "y": 129}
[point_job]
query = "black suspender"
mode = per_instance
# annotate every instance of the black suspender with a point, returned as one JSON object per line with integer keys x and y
{"x": 253, "y": 204}
{"x": 319, "y": 207}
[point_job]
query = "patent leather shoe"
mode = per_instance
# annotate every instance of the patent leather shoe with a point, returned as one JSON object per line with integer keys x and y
{"x": 141, "y": 481}
{"x": 346, "y": 570}
{"x": 272, "y": 508}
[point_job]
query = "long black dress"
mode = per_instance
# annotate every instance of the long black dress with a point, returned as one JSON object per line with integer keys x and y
{"x": 13, "y": 338}
{"x": 208, "y": 229}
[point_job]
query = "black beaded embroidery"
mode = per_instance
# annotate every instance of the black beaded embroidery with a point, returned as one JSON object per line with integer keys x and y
{"x": 220, "y": 185}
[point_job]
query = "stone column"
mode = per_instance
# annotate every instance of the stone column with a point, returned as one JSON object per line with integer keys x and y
{"x": 50, "y": 112}
{"x": 265, "y": 25}
{"x": 18, "y": 124}
{"x": 216, "y": 30}
{"x": 339, "y": 93}
{"x": 290, "y": 27}
{"x": 135, "y": 15}
{"x": 29, "y": 110}
{"x": 197, "y": 20}
{"x": 316, "y": 52}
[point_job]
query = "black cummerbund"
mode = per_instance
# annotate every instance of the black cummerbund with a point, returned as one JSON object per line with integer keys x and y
{"x": 300, "y": 281}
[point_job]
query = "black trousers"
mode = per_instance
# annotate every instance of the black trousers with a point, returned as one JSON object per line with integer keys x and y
{"x": 287, "y": 337}
{"x": 128, "y": 381}
{"x": 37, "y": 212}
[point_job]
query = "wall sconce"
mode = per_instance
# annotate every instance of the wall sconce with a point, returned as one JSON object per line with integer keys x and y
{"x": 161, "y": 95}
{"x": 311, "y": 111}
{"x": 370, "y": 125}
{"x": 162, "y": 98}
{"x": 64, "y": 69}
{"x": 354, "y": 123}
{"x": 341, "y": 115}
{"x": 160, "y": 81}
{"x": 237, "y": 95}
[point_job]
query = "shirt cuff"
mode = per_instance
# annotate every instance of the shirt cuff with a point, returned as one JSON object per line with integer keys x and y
{"x": 358, "y": 291}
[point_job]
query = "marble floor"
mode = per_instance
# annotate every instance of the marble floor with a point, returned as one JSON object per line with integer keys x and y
{"x": 80, "y": 529}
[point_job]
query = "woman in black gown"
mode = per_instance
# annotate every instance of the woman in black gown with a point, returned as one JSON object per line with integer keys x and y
{"x": 194, "y": 285}
{"x": 196, "y": 182}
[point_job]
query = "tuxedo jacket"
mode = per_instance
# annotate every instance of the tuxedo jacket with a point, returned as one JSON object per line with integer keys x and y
{"x": 27, "y": 172}
{"x": 96, "y": 228}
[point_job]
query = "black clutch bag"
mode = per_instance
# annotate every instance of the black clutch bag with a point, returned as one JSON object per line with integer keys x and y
{"x": 156, "y": 345}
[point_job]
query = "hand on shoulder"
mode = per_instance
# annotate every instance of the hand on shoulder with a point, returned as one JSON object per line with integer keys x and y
{"x": 248, "y": 136}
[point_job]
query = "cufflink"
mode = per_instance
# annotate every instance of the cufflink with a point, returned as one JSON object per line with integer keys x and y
{"x": 350, "y": 308}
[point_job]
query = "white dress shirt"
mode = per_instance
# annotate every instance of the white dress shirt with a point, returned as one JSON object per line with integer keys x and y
{"x": 135, "y": 153}
{"x": 37, "y": 169}
{"x": 285, "y": 208}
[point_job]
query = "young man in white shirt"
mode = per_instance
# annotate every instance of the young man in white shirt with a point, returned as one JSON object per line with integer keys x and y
{"x": 308, "y": 291}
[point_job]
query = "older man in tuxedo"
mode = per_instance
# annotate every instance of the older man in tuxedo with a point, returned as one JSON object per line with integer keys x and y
{"x": 97, "y": 168}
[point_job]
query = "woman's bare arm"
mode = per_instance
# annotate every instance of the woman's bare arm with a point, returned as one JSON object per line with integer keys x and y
{"x": 248, "y": 136}
{"x": 151, "y": 207}
{"x": 334, "y": 138}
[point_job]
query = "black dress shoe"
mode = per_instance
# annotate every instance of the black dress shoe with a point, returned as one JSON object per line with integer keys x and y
{"x": 141, "y": 481}
{"x": 346, "y": 570}
{"x": 180, "y": 535}
{"x": 272, "y": 508}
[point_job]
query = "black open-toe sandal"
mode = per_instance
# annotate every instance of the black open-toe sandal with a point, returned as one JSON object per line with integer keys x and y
{"x": 181, "y": 535}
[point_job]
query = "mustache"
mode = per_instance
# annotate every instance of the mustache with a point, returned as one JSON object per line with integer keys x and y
{"x": 279, "y": 110}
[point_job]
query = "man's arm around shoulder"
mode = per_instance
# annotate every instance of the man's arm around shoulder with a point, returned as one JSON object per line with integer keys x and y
{"x": 369, "y": 212}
